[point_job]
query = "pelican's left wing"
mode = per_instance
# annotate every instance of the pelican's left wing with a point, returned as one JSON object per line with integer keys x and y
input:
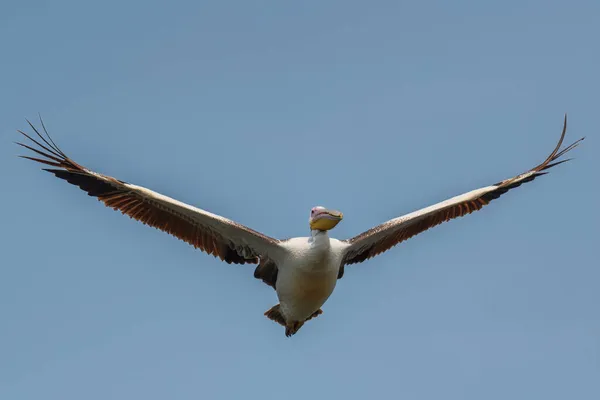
{"x": 213, "y": 234}
{"x": 385, "y": 236}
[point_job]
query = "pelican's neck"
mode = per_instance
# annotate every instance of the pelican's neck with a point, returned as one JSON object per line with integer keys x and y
{"x": 319, "y": 238}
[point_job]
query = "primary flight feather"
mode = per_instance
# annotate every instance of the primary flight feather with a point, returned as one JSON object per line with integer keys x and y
{"x": 303, "y": 270}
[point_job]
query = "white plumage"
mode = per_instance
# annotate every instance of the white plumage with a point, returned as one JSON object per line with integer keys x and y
{"x": 307, "y": 274}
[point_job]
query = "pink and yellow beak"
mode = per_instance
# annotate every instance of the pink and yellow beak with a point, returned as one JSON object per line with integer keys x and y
{"x": 324, "y": 220}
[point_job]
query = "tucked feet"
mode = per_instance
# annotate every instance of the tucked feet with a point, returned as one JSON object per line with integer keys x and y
{"x": 291, "y": 327}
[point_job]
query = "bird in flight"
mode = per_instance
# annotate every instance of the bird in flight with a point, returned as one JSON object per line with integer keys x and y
{"x": 302, "y": 270}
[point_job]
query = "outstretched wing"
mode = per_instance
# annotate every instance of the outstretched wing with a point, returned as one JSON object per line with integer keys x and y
{"x": 213, "y": 234}
{"x": 385, "y": 236}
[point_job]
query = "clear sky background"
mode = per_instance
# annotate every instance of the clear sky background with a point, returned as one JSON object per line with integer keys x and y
{"x": 258, "y": 111}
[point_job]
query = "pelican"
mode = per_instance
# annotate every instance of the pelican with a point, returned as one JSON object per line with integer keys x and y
{"x": 302, "y": 270}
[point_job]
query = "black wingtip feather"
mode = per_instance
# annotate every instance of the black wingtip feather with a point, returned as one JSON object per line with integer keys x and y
{"x": 41, "y": 161}
{"x": 41, "y": 153}
{"x": 554, "y": 164}
{"x": 49, "y": 137}
{"x": 39, "y": 144}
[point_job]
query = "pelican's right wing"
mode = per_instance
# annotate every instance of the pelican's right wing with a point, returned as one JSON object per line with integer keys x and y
{"x": 213, "y": 234}
{"x": 385, "y": 236}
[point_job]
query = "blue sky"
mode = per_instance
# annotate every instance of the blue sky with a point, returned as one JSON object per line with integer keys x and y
{"x": 259, "y": 111}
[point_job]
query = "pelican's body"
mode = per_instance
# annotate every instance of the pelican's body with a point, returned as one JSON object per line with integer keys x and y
{"x": 308, "y": 274}
{"x": 303, "y": 270}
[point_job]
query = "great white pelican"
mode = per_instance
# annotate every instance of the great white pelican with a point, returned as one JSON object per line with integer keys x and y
{"x": 302, "y": 270}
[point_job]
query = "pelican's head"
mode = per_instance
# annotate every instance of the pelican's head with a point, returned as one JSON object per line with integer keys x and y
{"x": 322, "y": 219}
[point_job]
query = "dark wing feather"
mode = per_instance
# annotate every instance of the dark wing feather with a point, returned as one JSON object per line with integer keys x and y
{"x": 385, "y": 236}
{"x": 213, "y": 234}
